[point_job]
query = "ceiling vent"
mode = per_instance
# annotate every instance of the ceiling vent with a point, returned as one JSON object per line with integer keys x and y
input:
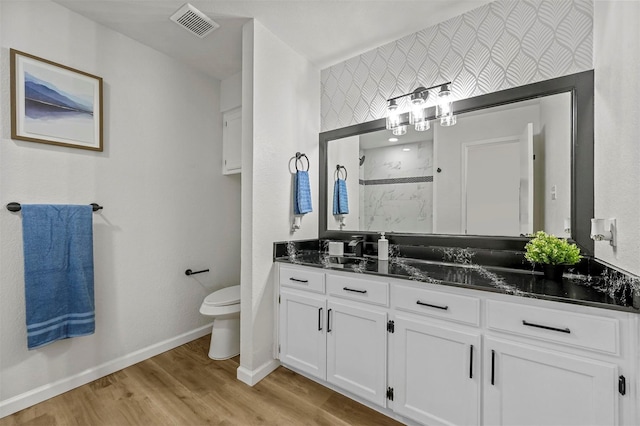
{"x": 194, "y": 21}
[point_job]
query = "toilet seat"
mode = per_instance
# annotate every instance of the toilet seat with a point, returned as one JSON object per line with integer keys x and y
{"x": 222, "y": 303}
{"x": 223, "y": 297}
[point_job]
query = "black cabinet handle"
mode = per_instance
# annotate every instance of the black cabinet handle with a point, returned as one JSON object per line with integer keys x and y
{"x": 444, "y": 308}
{"x": 546, "y": 327}
{"x": 471, "y": 361}
{"x": 298, "y": 280}
{"x": 355, "y": 290}
{"x": 329, "y": 321}
{"x": 319, "y": 319}
{"x": 493, "y": 366}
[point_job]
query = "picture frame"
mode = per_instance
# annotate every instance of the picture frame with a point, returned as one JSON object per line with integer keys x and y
{"x": 55, "y": 104}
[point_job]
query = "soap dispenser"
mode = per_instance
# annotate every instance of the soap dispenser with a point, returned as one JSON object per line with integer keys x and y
{"x": 383, "y": 248}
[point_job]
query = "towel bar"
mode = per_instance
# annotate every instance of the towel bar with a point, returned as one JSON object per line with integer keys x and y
{"x": 190, "y": 272}
{"x": 16, "y": 207}
{"x": 299, "y": 156}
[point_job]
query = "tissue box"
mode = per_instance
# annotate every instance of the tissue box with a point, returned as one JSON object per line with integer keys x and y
{"x": 336, "y": 248}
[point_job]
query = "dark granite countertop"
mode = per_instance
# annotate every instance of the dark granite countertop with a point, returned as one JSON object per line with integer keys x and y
{"x": 610, "y": 289}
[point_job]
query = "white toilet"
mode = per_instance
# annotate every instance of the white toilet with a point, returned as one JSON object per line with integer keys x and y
{"x": 224, "y": 306}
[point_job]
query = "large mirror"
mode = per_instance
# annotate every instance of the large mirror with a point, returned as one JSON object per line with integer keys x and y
{"x": 517, "y": 161}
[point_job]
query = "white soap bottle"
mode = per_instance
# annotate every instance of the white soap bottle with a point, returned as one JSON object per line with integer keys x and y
{"x": 383, "y": 248}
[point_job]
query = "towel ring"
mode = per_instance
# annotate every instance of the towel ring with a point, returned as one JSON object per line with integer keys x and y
{"x": 299, "y": 158}
{"x": 340, "y": 169}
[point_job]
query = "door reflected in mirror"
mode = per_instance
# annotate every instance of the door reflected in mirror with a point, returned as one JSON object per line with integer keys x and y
{"x": 501, "y": 171}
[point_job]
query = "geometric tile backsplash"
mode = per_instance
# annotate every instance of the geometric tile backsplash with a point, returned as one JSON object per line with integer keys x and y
{"x": 497, "y": 46}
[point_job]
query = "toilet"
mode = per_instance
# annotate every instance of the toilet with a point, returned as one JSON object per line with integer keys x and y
{"x": 224, "y": 306}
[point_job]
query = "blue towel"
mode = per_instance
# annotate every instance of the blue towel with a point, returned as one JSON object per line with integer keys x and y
{"x": 58, "y": 272}
{"x": 340, "y": 198}
{"x": 302, "y": 193}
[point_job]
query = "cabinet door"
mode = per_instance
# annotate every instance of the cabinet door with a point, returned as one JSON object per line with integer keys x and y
{"x": 232, "y": 141}
{"x": 302, "y": 333}
{"x": 435, "y": 373}
{"x": 525, "y": 385}
{"x": 357, "y": 350}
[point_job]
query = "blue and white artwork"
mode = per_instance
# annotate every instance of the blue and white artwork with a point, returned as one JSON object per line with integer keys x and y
{"x": 56, "y": 104}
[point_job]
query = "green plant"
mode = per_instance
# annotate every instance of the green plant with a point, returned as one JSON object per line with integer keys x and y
{"x": 545, "y": 248}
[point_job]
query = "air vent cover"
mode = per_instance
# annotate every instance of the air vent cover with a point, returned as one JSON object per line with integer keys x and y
{"x": 194, "y": 21}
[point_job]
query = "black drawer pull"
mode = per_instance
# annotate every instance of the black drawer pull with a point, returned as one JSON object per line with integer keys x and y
{"x": 471, "y": 361}
{"x": 319, "y": 319}
{"x": 546, "y": 327}
{"x": 355, "y": 290}
{"x": 329, "y": 321}
{"x": 444, "y": 308}
{"x": 298, "y": 280}
{"x": 493, "y": 367}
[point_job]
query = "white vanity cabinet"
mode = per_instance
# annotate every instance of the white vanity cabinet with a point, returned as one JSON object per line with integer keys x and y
{"x": 443, "y": 355}
{"x": 551, "y": 367}
{"x": 526, "y": 385}
{"x": 302, "y": 332}
{"x": 338, "y": 335}
{"x": 435, "y": 371}
{"x": 357, "y": 336}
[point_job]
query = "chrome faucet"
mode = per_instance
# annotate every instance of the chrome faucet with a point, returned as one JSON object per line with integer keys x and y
{"x": 355, "y": 246}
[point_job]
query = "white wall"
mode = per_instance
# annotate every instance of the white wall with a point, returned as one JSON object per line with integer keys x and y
{"x": 159, "y": 182}
{"x": 617, "y": 128}
{"x": 281, "y": 116}
{"x": 231, "y": 92}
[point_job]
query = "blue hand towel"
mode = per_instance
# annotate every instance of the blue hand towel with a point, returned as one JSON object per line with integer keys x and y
{"x": 58, "y": 272}
{"x": 340, "y": 198}
{"x": 302, "y": 193}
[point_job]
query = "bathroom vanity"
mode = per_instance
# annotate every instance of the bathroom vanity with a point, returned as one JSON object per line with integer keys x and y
{"x": 460, "y": 343}
{"x": 457, "y": 327}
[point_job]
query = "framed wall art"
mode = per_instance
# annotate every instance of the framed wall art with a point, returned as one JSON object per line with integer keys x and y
{"x": 55, "y": 104}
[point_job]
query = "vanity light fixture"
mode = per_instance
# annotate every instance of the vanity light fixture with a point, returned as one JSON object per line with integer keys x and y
{"x": 604, "y": 230}
{"x": 396, "y": 121}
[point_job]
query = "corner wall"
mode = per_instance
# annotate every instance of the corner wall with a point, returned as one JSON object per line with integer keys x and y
{"x": 159, "y": 182}
{"x": 281, "y": 114}
{"x": 617, "y": 128}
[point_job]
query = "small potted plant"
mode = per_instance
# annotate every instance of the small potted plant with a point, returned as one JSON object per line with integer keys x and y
{"x": 552, "y": 253}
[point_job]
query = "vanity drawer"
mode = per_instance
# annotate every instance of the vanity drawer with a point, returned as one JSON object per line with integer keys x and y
{"x": 568, "y": 328}
{"x": 374, "y": 292}
{"x": 447, "y": 306}
{"x": 303, "y": 279}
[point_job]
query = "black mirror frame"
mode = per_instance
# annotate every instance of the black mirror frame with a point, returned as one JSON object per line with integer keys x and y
{"x": 581, "y": 86}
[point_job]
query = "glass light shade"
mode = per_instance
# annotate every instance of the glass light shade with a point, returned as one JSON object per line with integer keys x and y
{"x": 400, "y": 130}
{"x": 422, "y": 126}
{"x": 449, "y": 120}
{"x": 393, "y": 116}
{"x": 444, "y": 107}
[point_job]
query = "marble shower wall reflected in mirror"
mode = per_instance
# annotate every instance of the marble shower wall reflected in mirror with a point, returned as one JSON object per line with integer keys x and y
{"x": 476, "y": 178}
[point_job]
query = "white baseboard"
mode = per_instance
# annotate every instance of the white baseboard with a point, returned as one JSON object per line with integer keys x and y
{"x": 42, "y": 393}
{"x": 251, "y": 377}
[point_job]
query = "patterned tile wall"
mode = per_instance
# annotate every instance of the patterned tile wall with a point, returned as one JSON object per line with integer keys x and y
{"x": 500, "y": 45}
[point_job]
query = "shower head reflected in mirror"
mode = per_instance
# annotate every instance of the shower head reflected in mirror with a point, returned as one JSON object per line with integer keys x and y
{"x": 362, "y": 160}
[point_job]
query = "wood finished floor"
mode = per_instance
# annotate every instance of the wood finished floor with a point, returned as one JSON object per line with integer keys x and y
{"x": 184, "y": 387}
